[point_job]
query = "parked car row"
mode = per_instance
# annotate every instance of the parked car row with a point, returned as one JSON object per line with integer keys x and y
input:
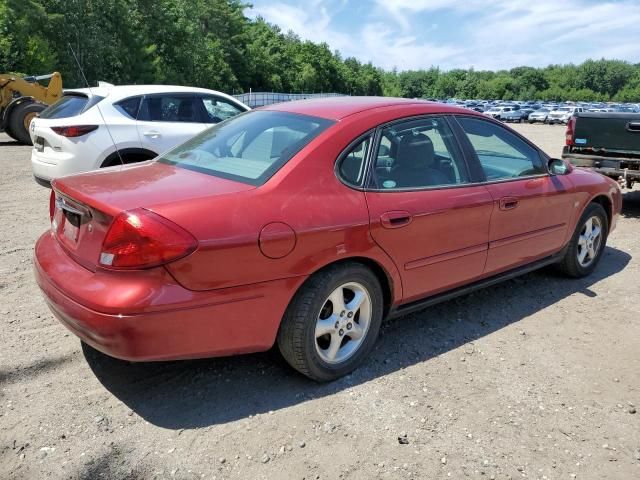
{"x": 513, "y": 113}
{"x": 532, "y": 112}
{"x": 91, "y": 128}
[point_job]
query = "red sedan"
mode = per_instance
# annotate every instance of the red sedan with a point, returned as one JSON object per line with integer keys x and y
{"x": 306, "y": 224}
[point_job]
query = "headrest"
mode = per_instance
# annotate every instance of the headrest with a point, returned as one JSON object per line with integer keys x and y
{"x": 415, "y": 151}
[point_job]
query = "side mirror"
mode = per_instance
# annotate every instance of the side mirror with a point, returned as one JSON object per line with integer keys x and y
{"x": 557, "y": 166}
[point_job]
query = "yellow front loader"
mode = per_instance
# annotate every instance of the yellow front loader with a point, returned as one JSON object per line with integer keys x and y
{"x": 22, "y": 98}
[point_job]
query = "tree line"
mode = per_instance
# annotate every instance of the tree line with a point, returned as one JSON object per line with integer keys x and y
{"x": 213, "y": 44}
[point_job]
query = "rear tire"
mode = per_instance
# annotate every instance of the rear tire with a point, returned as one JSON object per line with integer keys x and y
{"x": 20, "y": 118}
{"x": 332, "y": 322}
{"x": 587, "y": 243}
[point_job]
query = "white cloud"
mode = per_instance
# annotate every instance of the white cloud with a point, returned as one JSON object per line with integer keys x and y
{"x": 489, "y": 34}
{"x": 385, "y": 48}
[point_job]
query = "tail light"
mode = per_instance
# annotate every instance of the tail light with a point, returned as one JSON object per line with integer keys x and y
{"x": 74, "y": 131}
{"x": 52, "y": 204}
{"x": 142, "y": 239}
{"x": 569, "y": 135}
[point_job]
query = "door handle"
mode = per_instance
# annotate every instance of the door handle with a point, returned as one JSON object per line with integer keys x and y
{"x": 395, "y": 219}
{"x": 508, "y": 203}
{"x": 152, "y": 134}
{"x": 633, "y": 126}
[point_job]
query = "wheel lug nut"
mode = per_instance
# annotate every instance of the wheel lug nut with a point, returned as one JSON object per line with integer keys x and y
{"x": 349, "y": 326}
{"x": 342, "y": 313}
{"x": 341, "y": 332}
{"x": 350, "y": 314}
{"x": 337, "y": 324}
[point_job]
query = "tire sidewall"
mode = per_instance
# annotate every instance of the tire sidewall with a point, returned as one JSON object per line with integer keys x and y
{"x": 367, "y": 279}
{"x": 16, "y": 120}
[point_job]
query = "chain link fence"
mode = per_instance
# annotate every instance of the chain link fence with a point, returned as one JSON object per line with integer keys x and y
{"x": 260, "y": 99}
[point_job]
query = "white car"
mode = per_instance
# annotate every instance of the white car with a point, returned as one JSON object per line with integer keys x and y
{"x": 106, "y": 125}
{"x": 562, "y": 114}
{"x": 495, "y": 111}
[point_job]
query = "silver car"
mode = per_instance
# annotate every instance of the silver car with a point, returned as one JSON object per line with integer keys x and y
{"x": 508, "y": 114}
{"x": 540, "y": 115}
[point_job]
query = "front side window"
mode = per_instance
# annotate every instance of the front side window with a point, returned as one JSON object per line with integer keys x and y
{"x": 248, "y": 148}
{"x": 170, "y": 108}
{"x": 219, "y": 109}
{"x": 418, "y": 154}
{"x": 352, "y": 165}
{"x": 502, "y": 154}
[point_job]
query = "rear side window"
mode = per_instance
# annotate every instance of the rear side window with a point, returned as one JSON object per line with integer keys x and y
{"x": 418, "y": 153}
{"x": 129, "y": 107}
{"x": 70, "y": 106}
{"x": 502, "y": 155}
{"x": 248, "y": 148}
{"x": 352, "y": 165}
{"x": 170, "y": 108}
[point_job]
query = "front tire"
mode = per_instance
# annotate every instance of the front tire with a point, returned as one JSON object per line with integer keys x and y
{"x": 587, "y": 243}
{"x": 8, "y": 131}
{"x": 332, "y": 322}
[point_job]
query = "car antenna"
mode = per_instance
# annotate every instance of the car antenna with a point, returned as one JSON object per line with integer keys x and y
{"x": 97, "y": 104}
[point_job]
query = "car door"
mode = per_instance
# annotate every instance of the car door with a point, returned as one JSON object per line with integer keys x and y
{"x": 168, "y": 119}
{"x": 425, "y": 212}
{"x": 532, "y": 208}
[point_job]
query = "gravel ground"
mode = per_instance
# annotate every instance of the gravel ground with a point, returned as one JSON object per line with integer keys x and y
{"x": 535, "y": 378}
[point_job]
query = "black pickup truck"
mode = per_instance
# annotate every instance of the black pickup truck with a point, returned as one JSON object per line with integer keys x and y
{"x": 608, "y": 143}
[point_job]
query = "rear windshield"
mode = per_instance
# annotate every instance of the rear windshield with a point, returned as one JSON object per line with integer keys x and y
{"x": 248, "y": 148}
{"x": 70, "y": 106}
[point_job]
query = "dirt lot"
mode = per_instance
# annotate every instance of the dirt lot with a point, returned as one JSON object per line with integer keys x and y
{"x": 536, "y": 378}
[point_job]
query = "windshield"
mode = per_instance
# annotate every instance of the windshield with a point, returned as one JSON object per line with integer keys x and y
{"x": 564, "y": 109}
{"x": 70, "y": 106}
{"x": 248, "y": 148}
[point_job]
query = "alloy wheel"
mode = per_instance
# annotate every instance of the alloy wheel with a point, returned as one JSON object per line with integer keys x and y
{"x": 343, "y": 323}
{"x": 589, "y": 241}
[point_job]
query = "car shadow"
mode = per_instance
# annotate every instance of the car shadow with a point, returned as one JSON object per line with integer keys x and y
{"x": 200, "y": 393}
{"x": 631, "y": 204}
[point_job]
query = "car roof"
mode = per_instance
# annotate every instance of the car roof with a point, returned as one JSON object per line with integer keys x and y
{"x": 116, "y": 92}
{"x": 336, "y": 108}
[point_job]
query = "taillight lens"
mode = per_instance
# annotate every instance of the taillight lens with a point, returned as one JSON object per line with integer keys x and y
{"x": 571, "y": 125}
{"x": 142, "y": 239}
{"x": 74, "y": 131}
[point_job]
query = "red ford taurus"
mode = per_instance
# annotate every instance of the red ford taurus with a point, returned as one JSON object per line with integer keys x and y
{"x": 306, "y": 224}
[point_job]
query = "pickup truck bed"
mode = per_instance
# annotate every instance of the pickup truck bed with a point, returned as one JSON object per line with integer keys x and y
{"x": 608, "y": 143}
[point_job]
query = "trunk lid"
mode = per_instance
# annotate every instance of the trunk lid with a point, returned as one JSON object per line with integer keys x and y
{"x": 86, "y": 204}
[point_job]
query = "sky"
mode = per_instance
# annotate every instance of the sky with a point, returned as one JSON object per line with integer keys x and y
{"x": 483, "y": 34}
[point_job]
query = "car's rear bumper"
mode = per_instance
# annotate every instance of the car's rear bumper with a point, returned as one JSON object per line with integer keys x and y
{"x": 49, "y": 166}
{"x": 610, "y": 166}
{"x": 143, "y": 316}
